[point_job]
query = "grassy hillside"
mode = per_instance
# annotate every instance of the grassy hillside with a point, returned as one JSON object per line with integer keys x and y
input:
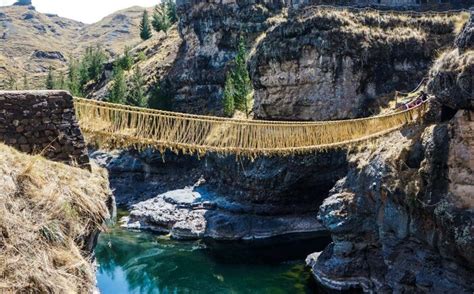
{"x": 32, "y": 41}
{"x": 48, "y": 211}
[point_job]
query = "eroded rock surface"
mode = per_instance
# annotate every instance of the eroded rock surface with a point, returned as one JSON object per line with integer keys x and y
{"x": 324, "y": 64}
{"x": 196, "y": 214}
{"x": 314, "y": 63}
{"x": 402, "y": 220}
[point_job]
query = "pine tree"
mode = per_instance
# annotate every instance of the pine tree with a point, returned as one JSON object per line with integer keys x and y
{"x": 119, "y": 87}
{"x": 62, "y": 82}
{"x": 50, "y": 83}
{"x": 163, "y": 17}
{"x": 242, "y": 83}
{"x": 95, "y": 59}
{"x": 238, "y": 87}
{"x": 161, "y": 96}
{"x": 136, "y": 95}
{"x": 145, "y": 31}
{"x": 25, "y": 82}
{"x": 11, "y": 83}
{"x": 229, "y": 106}
{"x": 73, "y": 81}
{"x": 171, "y": 11}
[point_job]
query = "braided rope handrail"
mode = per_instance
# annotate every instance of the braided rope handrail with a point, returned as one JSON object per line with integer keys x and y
{"x": 118, "y": 126}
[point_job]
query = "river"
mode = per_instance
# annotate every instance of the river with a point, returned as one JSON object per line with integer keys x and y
{"x": 140, "y": 262}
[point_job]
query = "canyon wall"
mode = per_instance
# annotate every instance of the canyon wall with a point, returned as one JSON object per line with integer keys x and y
{"x": 402, "y": 219}
{"x": 210, "y": 32}
{"x": 326, "y": 64}
{"x": 309, "y": 64}
{"x": 42, "y": 122}
{"x": 305, "y": 64}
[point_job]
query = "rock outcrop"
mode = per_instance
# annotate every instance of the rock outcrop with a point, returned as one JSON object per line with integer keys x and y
{"x": 387, "y": 4}
{"x": 236, "y": 200}
{"x": 211, "y": 32}
{"x": 402, "y": 219}
{"x": 326, "y": 64}
{"x": 200, "y": 214}
{"x": 282, "y": 188}
{"x": 304, "y": 63}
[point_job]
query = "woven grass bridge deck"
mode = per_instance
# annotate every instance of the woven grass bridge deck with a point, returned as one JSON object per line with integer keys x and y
{"x": 115, "y": 126}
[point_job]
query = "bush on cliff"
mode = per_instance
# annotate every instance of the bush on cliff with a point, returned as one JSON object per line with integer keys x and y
{"x": 126, "y": 60}
{"x": 48, "y": 213}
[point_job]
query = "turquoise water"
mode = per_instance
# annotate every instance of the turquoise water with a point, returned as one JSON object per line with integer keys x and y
{"x": 137, "y": 262}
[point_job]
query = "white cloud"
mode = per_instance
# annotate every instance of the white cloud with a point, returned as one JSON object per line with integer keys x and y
{"x": 87, "y": 11}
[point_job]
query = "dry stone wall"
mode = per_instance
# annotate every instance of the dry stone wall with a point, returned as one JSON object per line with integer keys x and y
{"x": 42, "y": 121}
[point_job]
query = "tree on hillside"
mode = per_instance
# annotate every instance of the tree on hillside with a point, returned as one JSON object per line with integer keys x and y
{"x": 161, "y": 21}
{"x": 126, "y": 60}
{"x": 238, "y": 84}
{"x": 119, "y": 87}
{"x": 61, "y": 85}
{"x": 145, "y": 30}
{"x": 90, "y": 68}
{"x": 164, "y": 16}
{"x": 50, "y": 83}
{"x": 229, "y": 103}
{"x": 25, "y": 82}
{"x": 93, "y": 61}
{"x": 136, "y": 95}
{"x": 73, "y": 82}
{"x": 161, "y": 96}
{"x": 171, "y": 10}
{"x": 11, "y": 82}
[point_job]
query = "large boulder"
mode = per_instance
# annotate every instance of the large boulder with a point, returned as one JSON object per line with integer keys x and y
{"x": 451, "y": 78}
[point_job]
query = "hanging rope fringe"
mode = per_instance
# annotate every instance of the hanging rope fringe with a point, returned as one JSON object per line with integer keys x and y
{"x": 113, "y": 126}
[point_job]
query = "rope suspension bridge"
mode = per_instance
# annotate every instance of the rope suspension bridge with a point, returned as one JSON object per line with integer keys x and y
{"x": 118, "y": 126}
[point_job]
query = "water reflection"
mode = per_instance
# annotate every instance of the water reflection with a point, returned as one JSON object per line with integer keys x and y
{"x": 132, "y": 262}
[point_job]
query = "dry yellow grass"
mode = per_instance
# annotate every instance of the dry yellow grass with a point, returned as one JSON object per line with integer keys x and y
{"x": 47, "y": 212}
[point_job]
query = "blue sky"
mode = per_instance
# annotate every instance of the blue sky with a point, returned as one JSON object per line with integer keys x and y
{"x": 87, "y": 11}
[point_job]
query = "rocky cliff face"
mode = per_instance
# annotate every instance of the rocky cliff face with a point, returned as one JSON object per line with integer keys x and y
{"x": 402, "y": 219}
{"x": 324, "y": 64}
{"x": 211, "y": 33}
{"x": 300, "y": 58}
